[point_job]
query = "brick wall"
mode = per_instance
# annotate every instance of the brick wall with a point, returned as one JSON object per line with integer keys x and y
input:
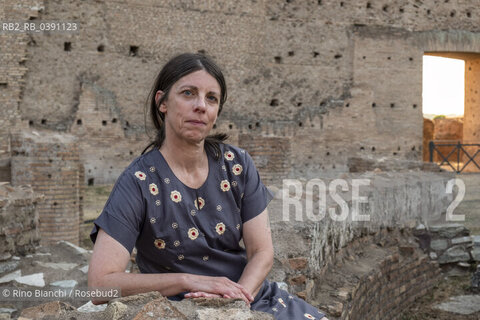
{"x": 50, "y": 163}
{"x": 18, "y": 219}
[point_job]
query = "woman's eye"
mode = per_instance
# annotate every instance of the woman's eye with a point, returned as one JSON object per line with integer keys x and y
{"x": 212, "y": 98}
{"x": 187, "y": 92}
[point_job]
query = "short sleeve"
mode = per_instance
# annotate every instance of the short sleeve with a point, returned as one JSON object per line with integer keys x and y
{"x": 256, "y": 195}
{"x": 124, "y": 212}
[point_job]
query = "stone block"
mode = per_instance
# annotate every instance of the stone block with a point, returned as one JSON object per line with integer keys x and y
{"x": 449, "y": 230}
{"x": 454, "y": 254}
{"x": 439, "y": 244}
{"x": 460, "y": 240}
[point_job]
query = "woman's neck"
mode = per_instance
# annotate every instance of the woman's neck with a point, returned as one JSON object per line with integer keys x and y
{"x": 188, "y": 157}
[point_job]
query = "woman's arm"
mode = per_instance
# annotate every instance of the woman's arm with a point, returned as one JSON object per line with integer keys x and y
{"x": 258, "y": 243}
{"x": 107, "y": 269}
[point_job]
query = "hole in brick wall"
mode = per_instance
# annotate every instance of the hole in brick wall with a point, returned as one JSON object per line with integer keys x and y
{"x": 385, "y": 8}
{"x": 401, "y": 10}
{"x": 3, "y": 85}
{"x": 30, "y": 123}
{"x": 49, "y": 176}
{"x": 202, "y": 51}
{"x": 79, "y": 121}
{"x": 127, "y": 123}
{"x": 289, "y": 1}
{"x": 44, "y": 121}
{"x": 131, "y": 152}
{"x": 291, "y": 53}
{"x": 104, "y": 122}
{"x": 394, "y": 153}
{"x": 410, "y": 59}
{"x": 215, "y": 126}
{"x": 249, "y": 126}
{"x": 111, "y": 167}
{"x": 133, "y": 51}
{"x": 374, "y": 105}
{"x": 413, "y": 148}
{"x": 274, "y": 102}
{"x": 392, "y": 105}
{"x": 452, "y": 14}
{"x": 341, "y": 4}
{"x": 398, "y": 148}
{"x": 428, "y": 11}
{"x": 230, "y": 126}
{"x": 469, "y": 14}
{"x": 101, "y": 48}
{"x": 319, "y": 2}
{"x": 32, "y": 18}
{"x": 114, "y": 120}
{"x": 414, "y": 106}
{"x": 328, "y": 153}
{"x": 373, "y": 148}
{"x": 389, "y": 58}
{"x": 91, "y": 181}
{"x": 55, "y": 203}
{"x": 67, "y": 46}
{"x": 369, "y": 5}
{"x": 338, "y": 56}
{"x": 300, "y": 124}
{"x": 50, "y": 160}
{"x": 347, "y": 105}
{"x": 299, "y": 104}
{"x": 362, "y": 148}
{"x": 257, "y": 124}
{"x": 22, "y": 63}
{"x": 81, "y": 198}
{"x": 315, "y": 54}
{"x": 278, "y": 59}
{"x": 74, "y": 202}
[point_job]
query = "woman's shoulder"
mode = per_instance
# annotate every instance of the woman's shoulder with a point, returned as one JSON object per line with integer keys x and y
{"x": 231, "y": 152}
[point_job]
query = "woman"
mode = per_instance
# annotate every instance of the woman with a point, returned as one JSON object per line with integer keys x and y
{"x": 187, "y": 203}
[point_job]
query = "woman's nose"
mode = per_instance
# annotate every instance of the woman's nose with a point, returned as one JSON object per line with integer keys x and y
{"x": 200, "y": 102}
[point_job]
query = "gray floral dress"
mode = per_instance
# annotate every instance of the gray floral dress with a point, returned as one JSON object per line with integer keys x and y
{"x": 176, "y": 228}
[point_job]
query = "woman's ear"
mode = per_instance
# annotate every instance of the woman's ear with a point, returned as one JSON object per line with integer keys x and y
{"x": 158, "y": 95}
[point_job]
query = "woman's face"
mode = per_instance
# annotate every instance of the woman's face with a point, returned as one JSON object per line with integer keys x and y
{"x": 191, "y": 107}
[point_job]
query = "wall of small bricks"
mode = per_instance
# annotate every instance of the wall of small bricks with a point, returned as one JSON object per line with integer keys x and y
{"x": 50, "y": 163}
{"x": 388, "y": 290}
{"x": 335, "y": 79}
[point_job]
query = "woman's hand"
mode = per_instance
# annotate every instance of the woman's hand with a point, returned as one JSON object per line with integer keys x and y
{"x": 218, "y": 286}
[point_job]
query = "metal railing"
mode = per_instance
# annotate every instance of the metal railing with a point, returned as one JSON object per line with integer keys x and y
{"x": 458, "y": 148}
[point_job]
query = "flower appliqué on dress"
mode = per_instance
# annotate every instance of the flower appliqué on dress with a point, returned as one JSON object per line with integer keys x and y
{"x": 153, "y": 189}
{"x": 175, "y": 196}
{"x": 309, "y": 316}
{"x": 159, "y": 243}
{"x": 140, "y": 175}
{"x": 200, "y": 203}
{"x": 152, "y": 169}
{"x": 157, "y": 202}
{"x": 193, "y": 233}
{"x": 176, "y": 243}
{"x": 181, "y": 257}
{"x": 225, "y": 185}
{"x": 205, "y": 258}
{"x": 237, "y": 169}
{"x": 219, "y": 208}
{"x": 153, "y": 220}
{"x": 167, "y": 181}
{"x": 174, "y": 225}
{"x": 220, "y": 228}
{"x": 229, "y": 155}
{"x": 193, "y": 212}
{"x": 280, "y": 300}
{"x": 238, "y": 226}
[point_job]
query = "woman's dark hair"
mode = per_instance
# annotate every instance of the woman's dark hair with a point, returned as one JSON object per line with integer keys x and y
{"x": 171, "y": 72}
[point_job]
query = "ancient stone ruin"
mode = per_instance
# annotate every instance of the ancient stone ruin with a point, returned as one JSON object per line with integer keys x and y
{"x": 318, "y": 90}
